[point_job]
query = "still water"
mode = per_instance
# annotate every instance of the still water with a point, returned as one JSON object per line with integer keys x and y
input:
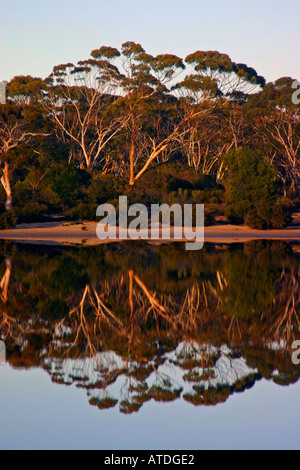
{"x": 134, "y": 346}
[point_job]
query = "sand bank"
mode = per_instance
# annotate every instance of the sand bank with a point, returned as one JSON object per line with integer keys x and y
{"x": 85, "y": 233}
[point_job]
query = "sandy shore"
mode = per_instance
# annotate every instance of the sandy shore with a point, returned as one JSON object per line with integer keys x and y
{"x": 85, "y": 234}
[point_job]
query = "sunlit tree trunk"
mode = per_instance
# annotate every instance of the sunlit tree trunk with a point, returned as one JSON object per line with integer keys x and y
{"x": 5, "y": 280}
{"x": 132, "y": 150}
{"x": 7, "y": 188}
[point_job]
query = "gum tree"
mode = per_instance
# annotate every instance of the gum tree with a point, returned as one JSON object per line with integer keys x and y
{"x": 219, "y": 86}
{"x": 142, "y": 83}
{"x": 77, "y": 100}
{"x": 123, "y": 110}
{"x": 15, "y": 131}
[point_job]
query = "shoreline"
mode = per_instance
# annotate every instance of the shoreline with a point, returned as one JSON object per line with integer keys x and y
{"x": 66, "y": 233}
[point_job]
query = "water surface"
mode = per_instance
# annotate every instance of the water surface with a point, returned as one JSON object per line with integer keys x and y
{"x": 136, "y": 346}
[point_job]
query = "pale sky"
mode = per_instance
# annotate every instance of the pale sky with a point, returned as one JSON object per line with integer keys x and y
{"x": 38, "y": 34}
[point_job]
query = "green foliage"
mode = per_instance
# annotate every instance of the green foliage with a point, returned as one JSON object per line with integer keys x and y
{"x": 206, "y": 182}
{"x": 31, "y": 211}
{"x": 251, "y": 191}
{"x": 103, "y": 188}
{"x": 68, "y": 185}
{"x": 273, "y": 95}
{"x": 82, "y": 211}
{"x": 137, "y": 104}
{"x": 265, "y": 216}
{"x": 177, "y": 183}
{"x": 8, "y": 219}
{"x": 251, "y": 272}
{"x": 25, "y": 89}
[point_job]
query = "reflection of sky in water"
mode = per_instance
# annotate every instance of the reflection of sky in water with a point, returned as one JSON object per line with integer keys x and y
{"x": 89, "y": 373}
{"x": 177, "y": 331}
{"x": 2, "y": 352}
{"x": 36, "y": 413}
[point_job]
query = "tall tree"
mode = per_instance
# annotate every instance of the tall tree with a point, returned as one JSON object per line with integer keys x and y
{"x": 143, "y": 80}
{"x": 15, "y": 130}
{"x": 77, "y": 100}
{"x": 276, "y": 121}
{"x": 218, "y": 86}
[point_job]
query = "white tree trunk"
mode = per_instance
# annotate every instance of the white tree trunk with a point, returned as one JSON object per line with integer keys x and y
{"x": 6, "y": 185}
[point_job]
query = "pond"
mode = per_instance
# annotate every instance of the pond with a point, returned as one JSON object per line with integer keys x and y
{"x": 140, "y": 346}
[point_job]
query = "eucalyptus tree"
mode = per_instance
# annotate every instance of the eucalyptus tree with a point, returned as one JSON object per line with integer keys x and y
{"x": 217, "y": 75}
{"x": 123, "y": 110}
{"x": 77, "y": 99}
{"x": 282, "y": 131}
{"x": 218, "y": 86}
{"x": 276, "y": 124}
{"x": 144, "y": 97}
{"x": 17, "y": 128}
{"x": 25, "y": 90}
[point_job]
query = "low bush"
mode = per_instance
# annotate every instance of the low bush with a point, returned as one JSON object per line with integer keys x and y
{"x": 265, "y": 217}
{"x": 82, "y": 212}
{"x": 8, "y": 219}
{"x": 31, "y": 212}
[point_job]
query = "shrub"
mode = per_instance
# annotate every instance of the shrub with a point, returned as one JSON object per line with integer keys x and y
{"x": 253, "y": 220}
{"x": 177, "y": 184}
{"x": 235, "y": 214}
{"x": 252, "y": 192}
{"x": 69, "y": 184}
{"x": 163, "y": 179}
{"x": 103, "y": 188}
{"x": 82, "y": 212}
{"x": 8, "y": 219}
{"x": 280, "y": 216}
{"x": 208, "y": 196}
{"x": 206, "y": 182}
{"x": 31, "y": 212}
{"x": 268, "y": 217}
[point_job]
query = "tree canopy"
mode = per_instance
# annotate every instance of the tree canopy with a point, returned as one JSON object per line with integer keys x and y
{"x": 123, "y": 117}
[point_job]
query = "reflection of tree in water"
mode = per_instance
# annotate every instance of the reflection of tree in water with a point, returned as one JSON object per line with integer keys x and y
{"x": 7, "y": 323}
{"x": 288, "y": 301}
{"x": 85, "y": 332}
{"x": 201, "y": 327}
{"x": 10, "y": 328}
